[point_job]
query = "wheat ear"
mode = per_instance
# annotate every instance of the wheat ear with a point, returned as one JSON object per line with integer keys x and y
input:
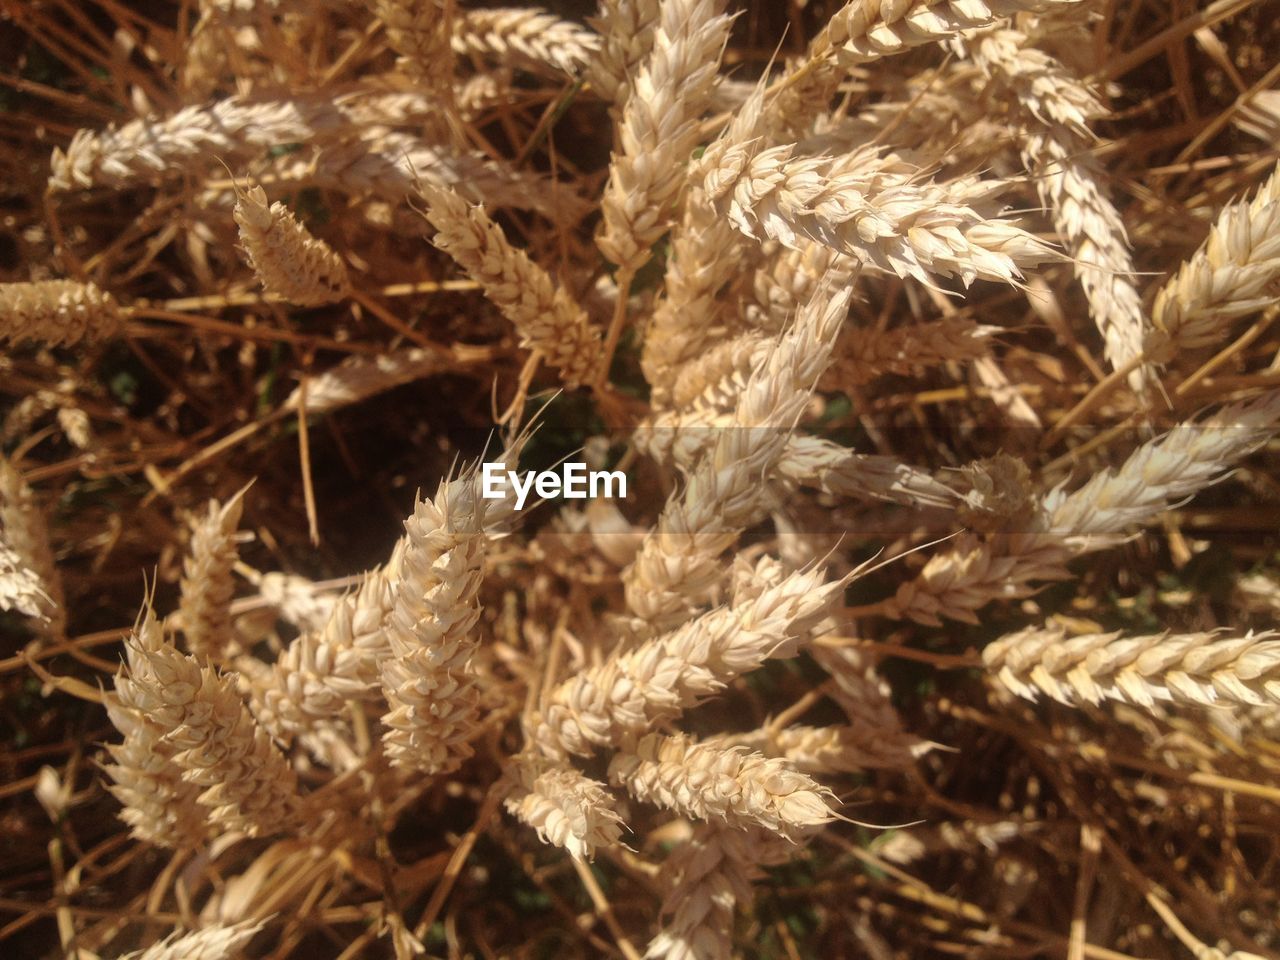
{"x": 863, "y": 354}
{"x": 626, "y": 28}
{"x": 249, "y": 786}
{"x": 788, "y": 279}
{"x": 543, "y": 313}
{"x": 1072, "y": 183}
{"x": 679, "y": 560}
{"x": 208, "y": 581}
{"x": 288, "y": 260}
{"x": 659, "y": 128}
{"x": 567, "y": 809}
{"x": 23, "y": 527}
{"x": 728, "y": 784}
{"x": 217, "y": 942}
{"x": 20, "y": 587}
{"x": 421, "y": 31}
{"x": 526, "y": 36}
{"x": 56, "y": 312}
{"x": 1156, "y": 476}
{"x": 1201, "y": 668}
{"x": 708, "y": 877}
{"x": 358, "y": 378}
{"x": 1233, "y": 273}
{"x": 875, "y": 209}
{"x": 635, "y": 691}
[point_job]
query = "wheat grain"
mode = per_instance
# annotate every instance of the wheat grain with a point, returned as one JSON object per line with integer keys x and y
{"x": 659, "y": 128}
{"x": 289, "y": 261}
{"x": 626, "y": 28}
{"x": 731, "y": 785}
{"x": 207, "y": 581}
{"x": 56, "y": 312}
{"x": 1201, "y": 668}
{"x": 545, "y": 315}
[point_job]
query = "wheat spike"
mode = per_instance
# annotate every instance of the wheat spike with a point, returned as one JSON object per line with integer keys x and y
{"x": 567, "y": 809}
{"x": 249, "y": 786}
{"x": 526, "y": 36}
{"x": 216, "y": 942}
{"x": 421, "y": 31}
{"x": 659, "y": 128}
{"x": 208, "y": 582}
{"x": 288, "y": 260}
{"x": 358, "y": 378}
{"x": 543, "y": 313}
{"x": 1233, "y": 273}
{"x": 1072, "y": 183}
{"x": 875, "y": 209}
{"x": 56, "y": 312}
{"x": 678, "y": 561}
{"x": 728, "y": 784}
{"x": 626, "y": 28}
{"x": 1201, "y": 668}
{"x": 788, "y": 279}
{"x": 20, "y": 587}
{"x": 23, "y": 527}
{"x": 634, "y": 691}
{"x": 842, "y": 748}
{"x": 863, "y": 354}
{"x": 1157, "y": 475}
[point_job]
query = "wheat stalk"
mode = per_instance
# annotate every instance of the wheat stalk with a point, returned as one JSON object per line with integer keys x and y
{"x": 56, "y": 312}
{"x": 207, "y": 581}
{"x": 659, "y": 128}
{"x": 545, "y": 315}
{"x": 731, "y": 785}
{"x": 289, "y": 261}
{"x": 1202, "y": 668}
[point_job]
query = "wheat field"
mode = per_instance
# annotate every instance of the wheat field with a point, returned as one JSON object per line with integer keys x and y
{"x": 924, "y": 350}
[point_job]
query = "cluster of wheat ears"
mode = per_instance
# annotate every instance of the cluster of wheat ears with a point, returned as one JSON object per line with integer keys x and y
{"x": 887, "y": 314}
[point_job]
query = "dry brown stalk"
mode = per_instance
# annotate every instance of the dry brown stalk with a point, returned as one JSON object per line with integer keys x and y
{"x": 1202, "y": 668}
{"x": 659, "y": 128}
{"x": 678, "y": 563}
{"x": 1158, "y": 475}
{"x": 727, "y": 784}
{"x": 216, "y": 942}
{"x": 875, "y": 209}
{"x": 24, "y": 529}
{"x": 567, "y": 809}
{"x": 1233, "y": 273}
{"x": 289, "y": 261}
{"x": 1072, "y": 183}
{"x": 543, "y": 313}
{"x": 635, "y": 691}
{"x": 526, "y": 36}
{"x": 208, "y": 582}
{"x": 249, "y": 786}
{"x": 56, "y": 312}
